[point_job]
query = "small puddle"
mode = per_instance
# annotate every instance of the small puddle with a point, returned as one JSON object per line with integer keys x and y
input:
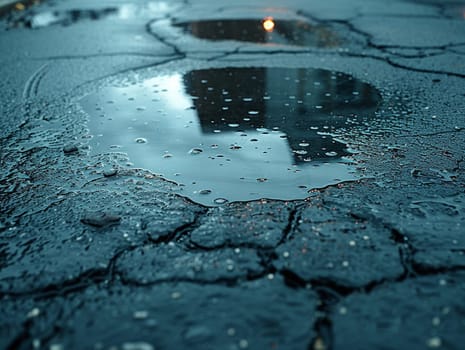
{"x": 264, "y": 31}
{"x": 235, "y": 134}
{"x": 68, "y": 17}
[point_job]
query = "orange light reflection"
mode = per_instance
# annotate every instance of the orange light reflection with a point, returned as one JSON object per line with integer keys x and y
{"x": 268, "y": 24}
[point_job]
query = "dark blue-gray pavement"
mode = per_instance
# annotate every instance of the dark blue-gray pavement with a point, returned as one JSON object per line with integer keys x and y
{"x": 100, "y": 252}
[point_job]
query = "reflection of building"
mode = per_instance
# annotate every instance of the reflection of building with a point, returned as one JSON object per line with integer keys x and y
{"x": 242, "y": 30}
{"x": 301, "y": 103}
{"x": 285, "y": 32}
{"x": 219, "y": 96}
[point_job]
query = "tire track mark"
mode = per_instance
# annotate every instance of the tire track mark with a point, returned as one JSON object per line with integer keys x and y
{"x": 31, "y": 88}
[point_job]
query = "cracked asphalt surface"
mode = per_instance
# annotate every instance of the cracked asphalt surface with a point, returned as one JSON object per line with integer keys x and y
{"x": 95, "y": 254}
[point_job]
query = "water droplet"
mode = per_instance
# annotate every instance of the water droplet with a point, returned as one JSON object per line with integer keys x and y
{"x": 331, "y": 154}
{"x": 197, "y": 334}
{"x": 434, "y": 342}
{"x": 56, "y": 347}
{"x": 319, "y": 344}
{"x": 195, "y": 151}
{"x": 140, "y": 315}
{"x": 235, "y": 147}
{"x": 33, "y": 313}
{"x": 262, "y": 179}
{"x": 140, "y": 140}
{"x": 243, "y": 344}
{"x": 176, "y": 295}
{"x": 220, "y": 201}
{"x": 110, "y": 172}
{"x": 137, "y": 346}
{"x": 205, "y": 192}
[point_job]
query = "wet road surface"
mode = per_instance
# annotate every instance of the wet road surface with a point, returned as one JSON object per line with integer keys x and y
{"x": 189, "y": 175}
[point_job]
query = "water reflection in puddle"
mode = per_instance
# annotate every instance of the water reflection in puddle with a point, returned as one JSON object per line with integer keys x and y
{"x": 236, "y": 133}
{"x": 267, "y": 30}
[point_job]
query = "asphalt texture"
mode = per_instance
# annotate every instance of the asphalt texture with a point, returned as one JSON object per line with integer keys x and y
{"x": 98, "y": 254}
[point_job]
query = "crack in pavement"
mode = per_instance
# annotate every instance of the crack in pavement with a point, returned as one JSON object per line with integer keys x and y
{"x": 161, "y": 39}
{"x": 108, "y": 274}
{"x": 330, "y": 292}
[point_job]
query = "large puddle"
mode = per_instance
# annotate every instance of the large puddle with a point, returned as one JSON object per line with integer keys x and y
{"x": 235, "y": 134}
{"x": 265, "y": 31}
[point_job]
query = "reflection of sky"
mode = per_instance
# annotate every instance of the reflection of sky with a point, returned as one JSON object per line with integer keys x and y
{"x": 176, "y": 97}
{"x": 235, "y": 163}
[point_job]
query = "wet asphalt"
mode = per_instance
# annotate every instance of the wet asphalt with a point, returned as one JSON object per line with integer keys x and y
{"x": 98, "y": 250}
